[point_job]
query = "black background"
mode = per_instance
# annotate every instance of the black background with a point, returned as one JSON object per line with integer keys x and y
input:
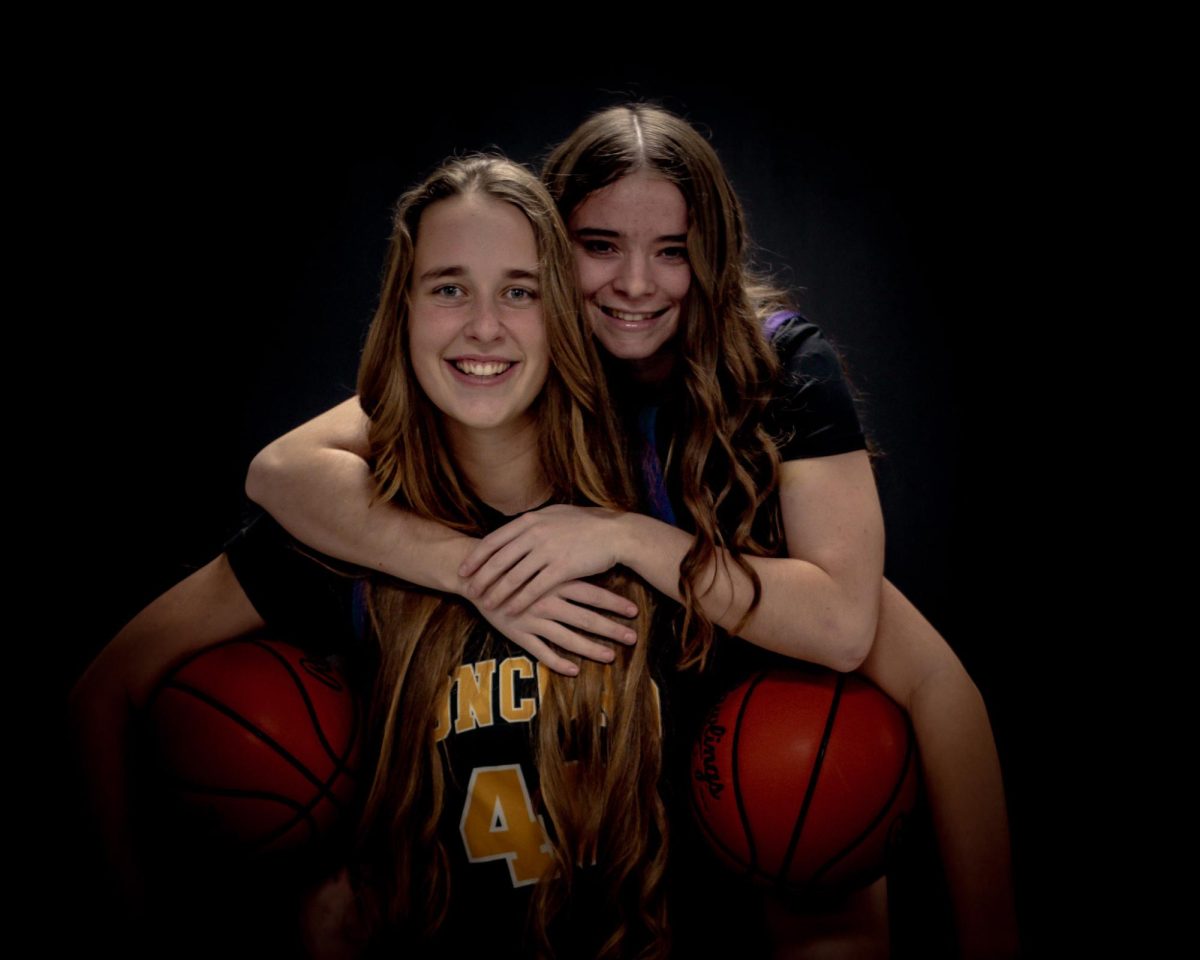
{"x": 218, "y": 245}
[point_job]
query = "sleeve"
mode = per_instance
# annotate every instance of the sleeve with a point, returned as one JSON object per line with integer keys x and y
{"x": 813, "y": 412}
{"x": 296, "y": 590}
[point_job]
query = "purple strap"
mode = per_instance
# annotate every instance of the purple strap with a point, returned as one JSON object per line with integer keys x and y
{"x": 652, "y": 473}
{"x": 776, "y": 320}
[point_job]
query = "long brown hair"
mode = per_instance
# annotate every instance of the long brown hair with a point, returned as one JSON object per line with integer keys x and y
{"x": 605, "y": 809}
{"x": 729, "y": 465}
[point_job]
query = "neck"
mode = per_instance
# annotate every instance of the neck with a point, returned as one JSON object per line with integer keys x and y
{"x": 654, "y": 369}
{"x": 502, "y": 466}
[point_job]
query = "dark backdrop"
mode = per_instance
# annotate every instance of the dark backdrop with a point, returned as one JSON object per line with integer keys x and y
{"x": 225, "y": 250}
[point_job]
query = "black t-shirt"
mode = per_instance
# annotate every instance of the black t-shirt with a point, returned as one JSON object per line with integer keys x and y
{"x": 811, "y": 414}
{"x": 812, "y": 411}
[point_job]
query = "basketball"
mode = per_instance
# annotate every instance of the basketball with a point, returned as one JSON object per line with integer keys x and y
{"x": 803, "y": 778}
{"x": 256, "y": 745}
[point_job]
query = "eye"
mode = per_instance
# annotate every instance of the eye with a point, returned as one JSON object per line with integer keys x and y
{"x": 673, "y": 253}
{"x": 450, "y": 291}
{"x": 520, "y": 294}
{"x": 597, "y": 247}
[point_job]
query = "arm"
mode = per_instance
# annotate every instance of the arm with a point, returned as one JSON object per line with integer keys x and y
{"x": 316, "y": 482}
{"x": 207, "y": 607}
{"x": 818, "y": 604}
{"x": 913, "y": 664}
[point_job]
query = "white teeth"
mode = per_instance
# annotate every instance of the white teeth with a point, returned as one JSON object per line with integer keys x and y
{"x": 482, "y": 368}
{"x": 627, "y": 317}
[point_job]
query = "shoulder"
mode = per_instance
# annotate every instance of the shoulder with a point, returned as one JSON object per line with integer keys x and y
{"x": 309, "y": 596}
{"x": 802, "y": 347}
{"x": 813, "y": 411}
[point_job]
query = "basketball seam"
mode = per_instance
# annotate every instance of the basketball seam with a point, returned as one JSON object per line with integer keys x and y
{"x": 303, "y": 812}
{"x": 752, "y": 865}
{"x": 261, "y": 734}
{"x": 878, "y": 818}
{"x": 339, "y": 762}
{"x": 813, "y": 779}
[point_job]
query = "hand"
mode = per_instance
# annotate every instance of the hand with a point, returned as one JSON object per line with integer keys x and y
{"x": 330, "y": 926}
{"x": 525, "y": 558}
{"x": 550, "y": 625}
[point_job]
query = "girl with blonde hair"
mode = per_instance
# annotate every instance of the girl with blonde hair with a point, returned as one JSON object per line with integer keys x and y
{"x": 502, "y": 791}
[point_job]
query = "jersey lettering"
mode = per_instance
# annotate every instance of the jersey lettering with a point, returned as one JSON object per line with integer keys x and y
{"x": 476, "y": 692}
{"x": 512, "y": 709}
{"x": 499, "y": 823}
{"x": 474, "y": 683}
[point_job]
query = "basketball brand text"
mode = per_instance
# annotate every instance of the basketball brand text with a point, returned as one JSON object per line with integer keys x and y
{"x": 710, "y": 774}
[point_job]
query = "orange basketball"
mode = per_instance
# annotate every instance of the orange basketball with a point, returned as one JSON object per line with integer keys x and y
{"x": 802, "y": 778}
{"x": 258, "y": 742}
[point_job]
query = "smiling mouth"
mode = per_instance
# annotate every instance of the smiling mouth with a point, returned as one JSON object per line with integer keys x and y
{"x": 627, "y": 316}
{"x": 482, "y": 368}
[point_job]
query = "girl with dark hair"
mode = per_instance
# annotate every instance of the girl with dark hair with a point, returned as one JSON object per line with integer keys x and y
{"x": 759, "y": 512}
{"x": 485, "y": 399}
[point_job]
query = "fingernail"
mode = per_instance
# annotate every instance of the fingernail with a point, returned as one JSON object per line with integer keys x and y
{"x": 630, "y": 636}
{"x": 631, "y": 609}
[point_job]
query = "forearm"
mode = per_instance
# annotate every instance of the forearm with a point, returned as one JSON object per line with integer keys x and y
{"x": 325, "y": 501}
{"x": 966, "y": 799}
{"x": 804, "y": 612}
{"x": 207, "y": 607}
{"x": 914, "y": 665}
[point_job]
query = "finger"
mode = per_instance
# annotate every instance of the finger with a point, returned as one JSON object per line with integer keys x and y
{"x": 491, "y": 543}
{"x": 547, "y": 654}
{"x": 545, "y": 580}
{"x": 512, "y": 581}
{"x": 582, "y": 618}
{"x": 496, "y": 567}
{"x": 579, "y": 591}
{"x": 576, "y": 643}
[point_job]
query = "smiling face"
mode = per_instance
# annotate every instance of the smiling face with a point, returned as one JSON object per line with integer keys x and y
{"x": 475, "y": 331}
{"x": 630, "y": 242}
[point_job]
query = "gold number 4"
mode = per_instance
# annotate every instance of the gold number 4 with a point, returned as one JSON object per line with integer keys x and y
{"x": 499, "y": 822}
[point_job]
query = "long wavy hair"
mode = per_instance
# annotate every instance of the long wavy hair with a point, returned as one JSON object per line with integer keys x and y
{"x": 605, "y": 809}
{"x": 729, "y": 465}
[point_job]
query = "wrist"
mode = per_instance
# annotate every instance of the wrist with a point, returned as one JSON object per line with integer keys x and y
{"x": 629, "y": 536}
{"x": 458, "y": 547}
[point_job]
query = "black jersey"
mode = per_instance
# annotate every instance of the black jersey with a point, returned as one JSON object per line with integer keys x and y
{"x": 492, "y": 825}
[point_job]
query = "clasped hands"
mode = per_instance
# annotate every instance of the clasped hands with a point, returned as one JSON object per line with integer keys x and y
{"x": 526, "y": 580}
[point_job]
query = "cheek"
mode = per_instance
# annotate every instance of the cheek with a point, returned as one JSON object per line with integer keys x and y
{"x": 422, "y": 355}
{"x": 682, "y": 282}
{"x": 590, "y": 274}
{"x": 539, "y": 351}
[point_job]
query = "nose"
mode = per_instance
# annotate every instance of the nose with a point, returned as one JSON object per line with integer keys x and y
{"x": 483, "y": 323}
{"x": 635, "y": 278}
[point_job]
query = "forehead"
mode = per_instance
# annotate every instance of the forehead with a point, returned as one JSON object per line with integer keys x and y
{"x": 474, "y": 230}
{"x": 638, "y": 204}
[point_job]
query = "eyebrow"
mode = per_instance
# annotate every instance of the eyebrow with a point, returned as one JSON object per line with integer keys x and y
{"x": 439, "y": 273}
{"x": 584, "y": 232}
